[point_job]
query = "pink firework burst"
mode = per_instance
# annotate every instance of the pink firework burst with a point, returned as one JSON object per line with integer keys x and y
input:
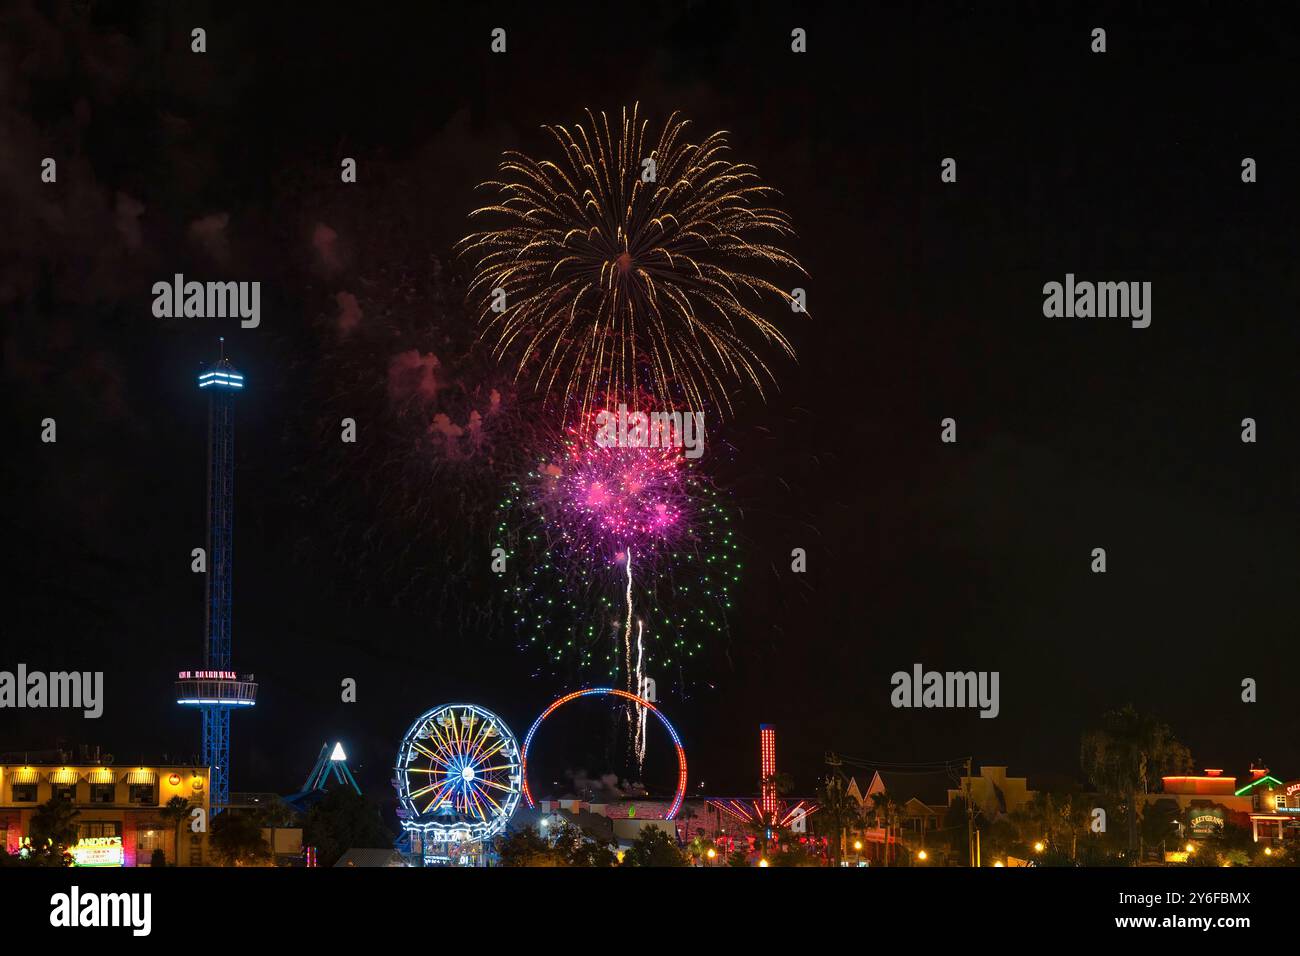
{"x": 603, "y": 501}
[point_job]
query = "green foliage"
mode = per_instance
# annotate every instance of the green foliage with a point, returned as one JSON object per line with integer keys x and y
{"x": 54, "y": 823}
{"x": 738, "y": 858}
{"x": 1126, "y": 756}
{"x": 577, "y": 848}
{"x": 525, "y": 847}
{"x": 277, "y": 813}
{"x": 237, "y": 840}
{"x": 653, "y": 847}
{"x": 794, "y": 853}
{"x": 343, "y": 820}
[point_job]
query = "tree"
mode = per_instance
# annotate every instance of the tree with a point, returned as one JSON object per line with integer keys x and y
{"x": 175, "y": 812}
{"x": 578, "y": 848}
{"x": 1125, "y": 755}
{"x": 341, "y": 821}
{"x": 525, "y": 847}
{"x": 738, "y": 858}
{"x": 54, "y": 824}
{"x": 277, "y": 813}
{"x": 837, "y": 812}
{"x": 794, "y": 853}
{"x": 237, "y": 840}
{"x": 653, "y": 847}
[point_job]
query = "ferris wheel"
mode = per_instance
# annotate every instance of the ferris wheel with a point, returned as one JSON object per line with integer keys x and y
{"x": 458, "y": 775}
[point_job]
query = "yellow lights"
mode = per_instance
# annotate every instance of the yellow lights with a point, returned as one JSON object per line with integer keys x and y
{"x": 1039, "y": 846}
{"x": 762, "y": 862}
{"x": 1190, "y": 848}
{"x": 922, "y": 856}
{"x": 857, "y": 845}
{"x": 1268, "y": 851}
{"x": 712, "y": 853}
{"x": 997, "y": 863}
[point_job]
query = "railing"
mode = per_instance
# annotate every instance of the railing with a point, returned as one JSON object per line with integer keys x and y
{"x": 233, "y": 693}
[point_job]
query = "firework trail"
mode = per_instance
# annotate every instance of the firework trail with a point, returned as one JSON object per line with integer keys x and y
{"x": 591, "y": 526}
{"x": 627, "y": 266}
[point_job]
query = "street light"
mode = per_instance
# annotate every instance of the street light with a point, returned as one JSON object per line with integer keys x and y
{"x": 1190, "y": 848}
{"x": 1038, "y": 846}
{"x": 922, "y": 856}
{"x": 762, "y": 862}
{"x": 857, "y": 845}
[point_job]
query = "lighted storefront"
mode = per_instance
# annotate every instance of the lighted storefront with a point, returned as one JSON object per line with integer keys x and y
{"x": 120, "y": 819}
{"x": 1276, "y": 813}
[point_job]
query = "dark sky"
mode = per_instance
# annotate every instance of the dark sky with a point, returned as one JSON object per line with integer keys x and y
{"x": 926, "y": 302}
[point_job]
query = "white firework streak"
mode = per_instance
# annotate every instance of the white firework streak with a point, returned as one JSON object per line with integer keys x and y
{"x": 640, "y": 687}
{"x": 627, "y": 629}
{"x": 634, "y": 681}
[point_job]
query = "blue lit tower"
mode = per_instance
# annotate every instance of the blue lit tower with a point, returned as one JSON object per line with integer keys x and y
{"x": 216, "y": 689}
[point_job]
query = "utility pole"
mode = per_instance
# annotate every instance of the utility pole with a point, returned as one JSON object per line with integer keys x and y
{"x": 833, "y": 761}
{"x": 970, "y": 818}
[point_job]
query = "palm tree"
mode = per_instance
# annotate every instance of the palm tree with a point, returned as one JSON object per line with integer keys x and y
{"x": 176, "y": 810}
{"x": 837, "y": 810}
{"x": 54, "y": 824}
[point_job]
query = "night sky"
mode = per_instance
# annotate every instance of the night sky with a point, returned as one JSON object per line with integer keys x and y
{"x": 925, "y": 301}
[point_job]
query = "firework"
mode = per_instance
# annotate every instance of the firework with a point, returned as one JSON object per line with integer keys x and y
{"x": 628, "y": 265}
{"x": 625, "y": 561}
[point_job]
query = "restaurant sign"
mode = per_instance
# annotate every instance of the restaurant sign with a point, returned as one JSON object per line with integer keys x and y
{"x": 98, "y": 851}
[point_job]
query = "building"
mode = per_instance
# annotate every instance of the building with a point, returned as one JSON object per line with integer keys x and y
{"x": 993, "y": 791}
{"x": 1206, "y": 801}
{"x": 1274, "y": 806}
{"x": 120, "y": 820}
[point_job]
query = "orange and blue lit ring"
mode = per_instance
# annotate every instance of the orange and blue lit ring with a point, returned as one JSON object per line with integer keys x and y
{"x": 626, "y": 695}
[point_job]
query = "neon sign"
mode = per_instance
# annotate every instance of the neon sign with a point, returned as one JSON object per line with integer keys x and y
{"x": 98, "y": 851}
{"x": 207, "y": 675}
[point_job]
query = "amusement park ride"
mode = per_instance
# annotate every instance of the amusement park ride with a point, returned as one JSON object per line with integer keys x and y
{"x": 769, "y": 809}
{"x": 461, "y": 774}
{"x": 217, "y": 689}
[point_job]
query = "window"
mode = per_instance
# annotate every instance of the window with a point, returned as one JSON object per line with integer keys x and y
{"x": 145, "y": 793}
{"x": 65, "y": 791}
{"x": 102, "y": 792}
{"x": 24, "y": 793}
{"x": 149, "y": 838}
{"x": 97, "y": 828}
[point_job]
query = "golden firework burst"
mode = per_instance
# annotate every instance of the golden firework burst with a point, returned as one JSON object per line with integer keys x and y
{"x": 625, "y": 268}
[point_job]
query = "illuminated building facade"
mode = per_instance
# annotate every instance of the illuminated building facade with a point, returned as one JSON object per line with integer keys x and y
{"x": 119, "y": 810}
{"x": 1274, "y": 806}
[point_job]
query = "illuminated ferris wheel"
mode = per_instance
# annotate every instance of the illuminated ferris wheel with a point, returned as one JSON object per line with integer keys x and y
{"x": 458, "y": 775}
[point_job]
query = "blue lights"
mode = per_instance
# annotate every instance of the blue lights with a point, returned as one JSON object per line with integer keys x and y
{"x": 222, "y": 379}
{"x": 458, "y": 775}
{"x": 217, "y": 702}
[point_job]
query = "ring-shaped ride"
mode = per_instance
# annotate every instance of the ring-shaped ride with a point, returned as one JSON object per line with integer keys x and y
{"x": 626, "y": 695}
